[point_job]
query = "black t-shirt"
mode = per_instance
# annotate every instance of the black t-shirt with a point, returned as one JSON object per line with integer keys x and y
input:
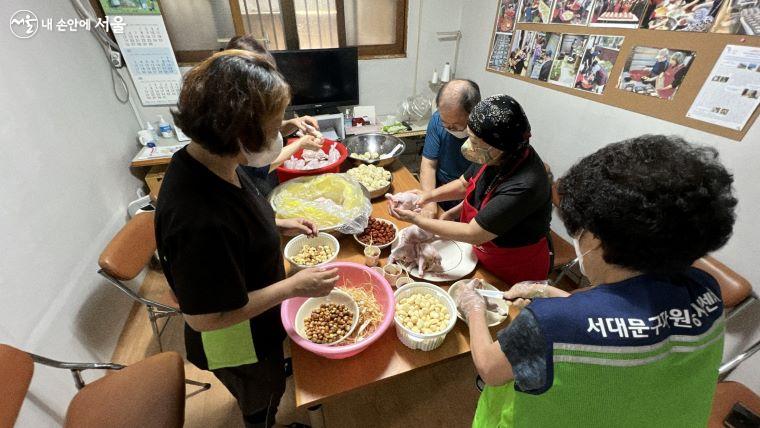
{"x": 520, "y": 208}
{"x": 217, "y": 242}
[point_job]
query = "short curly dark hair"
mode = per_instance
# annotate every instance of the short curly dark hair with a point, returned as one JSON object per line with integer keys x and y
{"x": 656, "y": 202}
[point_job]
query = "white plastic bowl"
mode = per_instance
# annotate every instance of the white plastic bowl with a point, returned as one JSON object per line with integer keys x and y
{"x": 493, "y": 319}
{"x": 422, "y": 341}
{"x": 336, "y": 296}
{"x": 294, "y": 246}
{"x": 395, "y": 237}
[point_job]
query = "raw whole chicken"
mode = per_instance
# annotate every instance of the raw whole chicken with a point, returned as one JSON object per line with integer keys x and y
{"x": 428, "y": 258}
{"x": 414, "y": 247}
{"x": 404, "y": 201}
{"x": 313, "y": 159}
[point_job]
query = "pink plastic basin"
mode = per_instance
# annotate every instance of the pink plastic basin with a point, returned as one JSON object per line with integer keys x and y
{"x": 350, "y": 273}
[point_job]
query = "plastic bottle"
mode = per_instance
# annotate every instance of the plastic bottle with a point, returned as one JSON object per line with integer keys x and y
{"x": 152, "y": 129}
{"x": 164, "y": 128}
{"x": 146, "y": 138}
{"x": 348, "y": 119}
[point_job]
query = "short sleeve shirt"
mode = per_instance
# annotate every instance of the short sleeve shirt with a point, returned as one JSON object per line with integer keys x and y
{"x": 519, "y": 209}
{"x": 217, "y": 243}
{"x": 445, "y": 148}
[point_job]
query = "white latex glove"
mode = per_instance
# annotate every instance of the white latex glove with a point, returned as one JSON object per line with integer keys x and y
{"x": 522, "y": 292}
{"x": 469, "y": 302}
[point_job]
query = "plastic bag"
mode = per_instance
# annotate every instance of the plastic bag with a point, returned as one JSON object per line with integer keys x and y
{"x": 330, "y": 200}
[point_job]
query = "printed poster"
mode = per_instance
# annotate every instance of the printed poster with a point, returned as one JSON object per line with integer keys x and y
{"x": 731, "y": 93}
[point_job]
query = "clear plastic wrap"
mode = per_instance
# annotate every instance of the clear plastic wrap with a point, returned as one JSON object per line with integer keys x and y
{"x": 332, "y": 201}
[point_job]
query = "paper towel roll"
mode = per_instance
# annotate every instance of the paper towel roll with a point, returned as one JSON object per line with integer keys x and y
{"x": 435, "y": 79}
{"x": 446, "y": 75}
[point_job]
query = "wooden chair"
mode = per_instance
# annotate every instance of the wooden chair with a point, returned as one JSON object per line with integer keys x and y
{"x": 125, "y": 257}
{"x": 16, "y": 370}
{"x": 726, "y": 395}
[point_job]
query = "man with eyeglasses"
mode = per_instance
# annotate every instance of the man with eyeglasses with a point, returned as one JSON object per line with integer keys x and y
{"x": 442, "y": 159}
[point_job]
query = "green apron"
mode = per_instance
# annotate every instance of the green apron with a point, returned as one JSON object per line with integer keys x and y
{"x": 229, "y": 347}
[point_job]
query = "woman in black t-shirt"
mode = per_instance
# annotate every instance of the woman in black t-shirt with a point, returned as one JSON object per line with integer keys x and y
{"x": 507, "y": 195}
{"x": 217, "y": 236}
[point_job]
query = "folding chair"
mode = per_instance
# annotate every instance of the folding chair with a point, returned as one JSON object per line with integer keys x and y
{"x": 16, "y": 370}
{"x": 149, "y": 393}
{"x": 727, "y": 394}
{"x": 124, "y": 258}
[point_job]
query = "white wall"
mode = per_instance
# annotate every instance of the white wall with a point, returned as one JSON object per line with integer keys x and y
{"x": 384, "y": 83}
{"x": 66, "y": 146}
{"x": 566, "y": 128}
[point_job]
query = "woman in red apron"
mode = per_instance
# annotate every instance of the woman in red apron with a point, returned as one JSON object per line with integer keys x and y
{"x": 506, "y": 207}
{"x": 672, "y": 77}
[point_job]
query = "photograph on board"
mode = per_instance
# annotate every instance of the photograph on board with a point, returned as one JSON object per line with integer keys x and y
{"x": 519, "y": 53}
{"x": 618, "y": 13}
{"x": 738, "y": 17}
{"x": 657, "y": 72}
{"x": 506, "y": 16}
{"x": 681, "y": 15}
{"x": 567, "y": 61}
{"x": 571, "y": 12}
{"x": 597, "y": 62}
{"x": 535, "y": 11}
{"x": 542, "y": 54}
{"x": 497, "y": 61}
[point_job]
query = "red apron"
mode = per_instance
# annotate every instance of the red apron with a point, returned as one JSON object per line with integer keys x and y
{"x": 511, "y": 265}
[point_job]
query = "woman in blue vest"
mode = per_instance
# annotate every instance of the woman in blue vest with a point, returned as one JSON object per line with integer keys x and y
{"x": 642, "y": 346}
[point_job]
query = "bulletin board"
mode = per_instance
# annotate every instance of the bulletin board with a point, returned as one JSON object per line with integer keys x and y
{"x": 707, "y": 47}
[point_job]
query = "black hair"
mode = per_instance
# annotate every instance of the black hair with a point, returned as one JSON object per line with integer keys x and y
{"x": 248, "y": 42}
{"x": 468, "y": 98}
{"x": 656, "y": 202}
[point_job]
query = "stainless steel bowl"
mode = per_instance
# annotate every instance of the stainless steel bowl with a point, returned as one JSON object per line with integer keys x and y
{"x": 376, "y": 142}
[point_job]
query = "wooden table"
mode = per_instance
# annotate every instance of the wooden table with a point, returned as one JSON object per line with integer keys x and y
{"x": 318, "y": 379}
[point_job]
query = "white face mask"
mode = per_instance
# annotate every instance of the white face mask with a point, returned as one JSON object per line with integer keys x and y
{"x": 577, "y": 246}
{"x": 266, "y": 157}
{"x": 457, "y": 134}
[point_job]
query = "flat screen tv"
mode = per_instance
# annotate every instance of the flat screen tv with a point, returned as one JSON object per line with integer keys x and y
{"x": 320, "y": 79}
